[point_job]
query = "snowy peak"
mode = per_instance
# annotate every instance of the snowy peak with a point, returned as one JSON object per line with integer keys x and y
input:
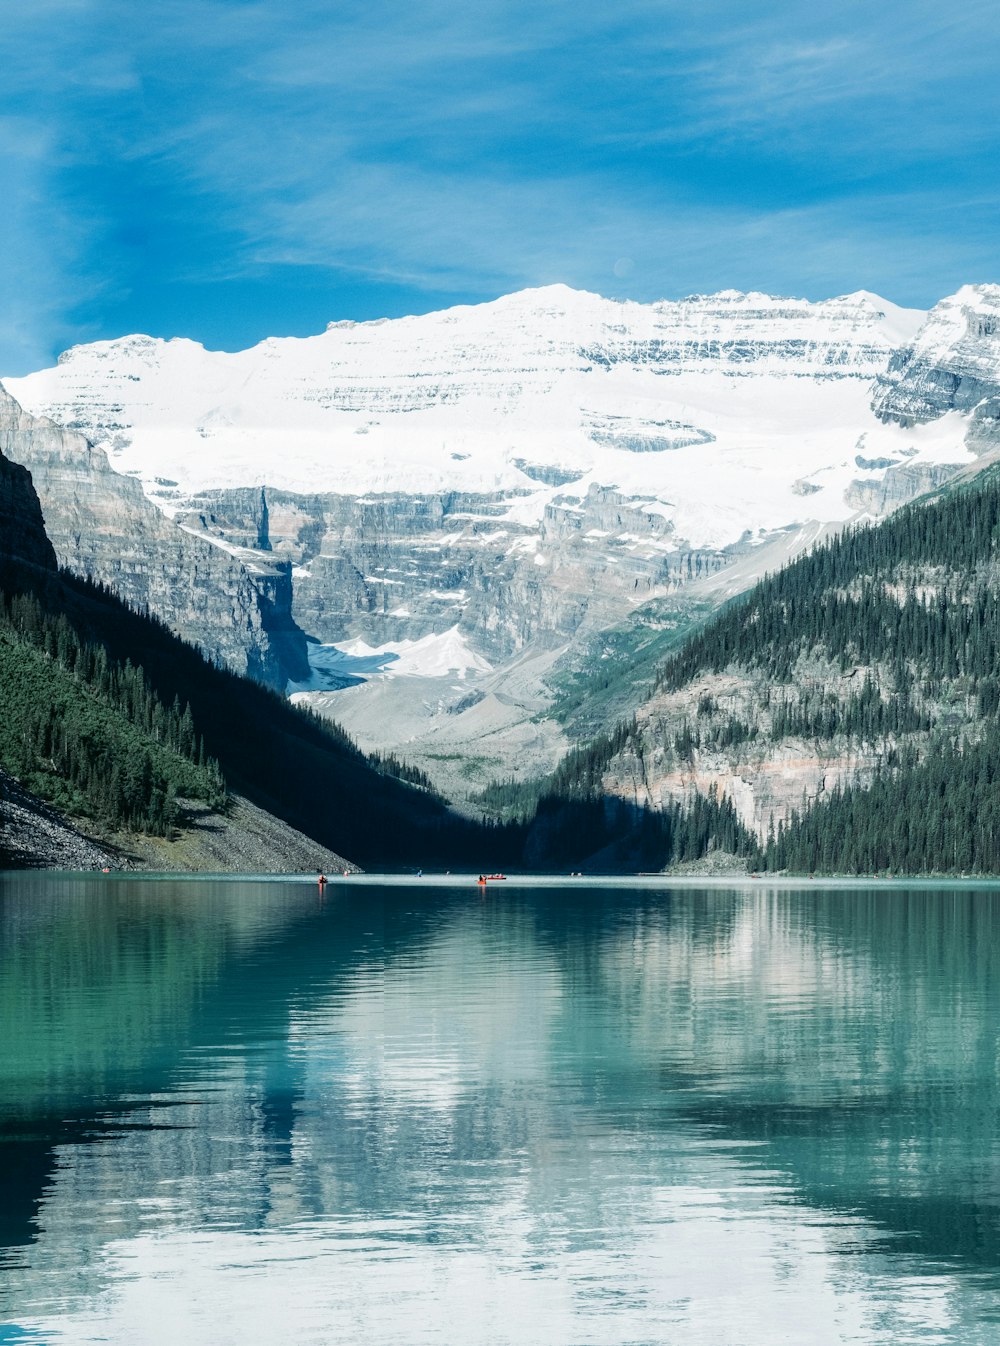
{"x": 136, "y": 348}
{"x": 450, "y": 491}
{"x": 899, "y": 324}
{"x": 951, "y": 364}
{"x": 725, "y": 411}
{"x": 968, "y": 320}
{"x": 560, "y": 314}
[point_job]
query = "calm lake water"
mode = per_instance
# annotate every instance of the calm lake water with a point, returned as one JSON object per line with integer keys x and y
{"x": 564, "y": 1113}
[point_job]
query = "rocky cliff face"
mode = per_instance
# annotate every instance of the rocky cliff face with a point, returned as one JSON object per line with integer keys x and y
{"x": 765, "y": 780}
{"x": 880, "y": 495}
{"x": 102, "y": 526}
{"x": 396, "y": 567}
{"x": 23, "y": 539}
{"x": 952, "y": 365}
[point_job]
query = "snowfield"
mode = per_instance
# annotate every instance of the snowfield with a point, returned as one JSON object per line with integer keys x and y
{"x": 434, "y": 656}
{"x": 732, "y": 414}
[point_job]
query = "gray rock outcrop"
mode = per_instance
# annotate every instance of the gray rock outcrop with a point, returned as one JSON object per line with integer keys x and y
{"x": 952, "y": 364}
{"x": 23, "y": 539}
{"x": 881, "y": 495}
{"x": 102, "y": 526}
{"x": 393, "y": 567}
{"x": 34, "y": 836}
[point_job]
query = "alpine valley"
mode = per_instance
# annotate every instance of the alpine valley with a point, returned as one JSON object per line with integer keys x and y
{"x": 486, "y": 538}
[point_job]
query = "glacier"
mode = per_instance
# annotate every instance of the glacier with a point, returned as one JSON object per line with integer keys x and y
{"x": 737, "y": 397}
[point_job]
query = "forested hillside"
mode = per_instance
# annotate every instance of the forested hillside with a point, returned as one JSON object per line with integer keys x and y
{"x": 109, "y": 716}
{"x": 916, "y": 595}
{"x": 90, "y": 735}
{"x": 940, "y": 815}
{"x": 844, "y": 715}
{"x": 849, "y": 703}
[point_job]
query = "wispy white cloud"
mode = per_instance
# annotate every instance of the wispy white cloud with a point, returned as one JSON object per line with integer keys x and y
{"x": 470, "y": 149}
{"x": 41, "y": 244}
{"x": 481, "y": 234}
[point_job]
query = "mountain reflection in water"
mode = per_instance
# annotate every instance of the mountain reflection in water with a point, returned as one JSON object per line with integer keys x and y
{"x": 249, "y": 1112}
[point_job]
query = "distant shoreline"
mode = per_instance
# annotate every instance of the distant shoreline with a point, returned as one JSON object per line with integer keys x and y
{"x": 651, "y": 882}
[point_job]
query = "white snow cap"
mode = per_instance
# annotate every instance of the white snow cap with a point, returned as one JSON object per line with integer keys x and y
{"x": 716, "y": 408}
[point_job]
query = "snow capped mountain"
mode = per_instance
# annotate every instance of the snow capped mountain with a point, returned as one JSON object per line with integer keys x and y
{"x": 952, "y": 364}
{"x": 447, "y": 504}
{"x": 721, "y": 410}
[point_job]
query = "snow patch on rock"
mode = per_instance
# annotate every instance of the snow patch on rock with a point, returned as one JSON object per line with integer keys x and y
{"x": 444, "y": 655}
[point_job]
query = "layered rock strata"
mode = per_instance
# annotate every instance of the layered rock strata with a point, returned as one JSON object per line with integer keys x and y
{"x": 394, "y": 567}
{"x": 23, "y": 540}
{"x": 102, "y": 526}
{"x": 952, "y": 365}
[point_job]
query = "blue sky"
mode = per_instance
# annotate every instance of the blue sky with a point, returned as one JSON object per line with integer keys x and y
{"x": 228, "y": 170}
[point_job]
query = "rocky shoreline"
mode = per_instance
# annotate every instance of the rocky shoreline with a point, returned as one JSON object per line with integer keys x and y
{"x": 243, "y": 840}
{"x": 34, "y": 836}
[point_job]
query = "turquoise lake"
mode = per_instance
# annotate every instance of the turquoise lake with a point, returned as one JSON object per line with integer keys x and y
{"x": 555, "y": 1113}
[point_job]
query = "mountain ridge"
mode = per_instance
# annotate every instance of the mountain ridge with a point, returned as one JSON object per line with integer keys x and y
{"x": 331, "y": 402}
{"x": 513, "y": 479}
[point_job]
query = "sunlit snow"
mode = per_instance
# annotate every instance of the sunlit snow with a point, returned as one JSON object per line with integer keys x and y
{"x": 432, "y": 656}
{"x": 730, "y": 413}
